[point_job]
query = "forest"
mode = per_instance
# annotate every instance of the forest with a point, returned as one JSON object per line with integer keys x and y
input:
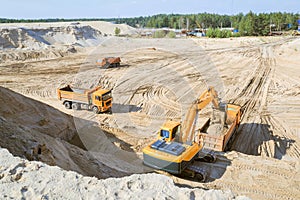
{"x": 249, "y": 24}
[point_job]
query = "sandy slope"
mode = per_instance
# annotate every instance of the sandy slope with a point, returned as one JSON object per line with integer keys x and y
{"x": 37, "y": 131}
{"x": 38, "y": 41}
{"x": 104, "y": 27}
{"x": 159, "y": 78}
{"x": 36, "y": 180}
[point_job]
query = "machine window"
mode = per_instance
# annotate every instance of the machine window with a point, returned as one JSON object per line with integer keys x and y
{"x": 164, "y": 133}
{"x": 106, "y": 96}
{"x": 98, "y": 98}
{"x": 175, "y": 131}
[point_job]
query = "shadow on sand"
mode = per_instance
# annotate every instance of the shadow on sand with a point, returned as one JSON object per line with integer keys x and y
{"x": 257, "y": 139}
{"x": 252, "y": 139}
{"x": 121, "y": 108}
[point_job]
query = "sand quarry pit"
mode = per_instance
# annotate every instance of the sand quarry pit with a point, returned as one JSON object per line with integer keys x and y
{"x": 157, "y": 80}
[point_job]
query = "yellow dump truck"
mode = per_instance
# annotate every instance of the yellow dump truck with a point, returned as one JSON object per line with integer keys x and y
{"x": 96, "y": 99}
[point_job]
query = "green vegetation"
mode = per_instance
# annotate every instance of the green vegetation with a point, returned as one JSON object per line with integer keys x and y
{"x": 236, "y": 35}
{"x": 171, "y": 34}
{"x": 159, "y": 34}
{"x": 117, "y": 31}
{"x": 217, "y": 33}
{"x": 250, "y": 24}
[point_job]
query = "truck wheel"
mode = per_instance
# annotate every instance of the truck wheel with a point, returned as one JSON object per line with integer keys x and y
{"x": 75, "y": 106}
{"x": 95, "y": 110}
{"x": 67, "y": 105}
{"x": 118, "y": 64}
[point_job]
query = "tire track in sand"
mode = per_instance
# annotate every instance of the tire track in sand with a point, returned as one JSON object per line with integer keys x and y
{"x": 259, "y": 133}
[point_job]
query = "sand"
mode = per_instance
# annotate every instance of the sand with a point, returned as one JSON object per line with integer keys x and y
{"x": 36, "y": 180}
{"x": 157, "y": 80}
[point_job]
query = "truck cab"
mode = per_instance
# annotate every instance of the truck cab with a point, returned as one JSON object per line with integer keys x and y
{"x": 102, "y": 100}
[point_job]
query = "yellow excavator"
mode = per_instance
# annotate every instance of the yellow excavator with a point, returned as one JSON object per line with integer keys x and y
{"x": 179, "y": 144}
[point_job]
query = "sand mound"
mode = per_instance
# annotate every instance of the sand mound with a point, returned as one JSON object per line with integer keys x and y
{"x": 41, "y": 37}
{"x": 51, "y": 40}
{"x": 11, "y": 56}
{"x": 109, "y": 28}
{"x": 18, "y": 38}
{"x": 20, "y": 179}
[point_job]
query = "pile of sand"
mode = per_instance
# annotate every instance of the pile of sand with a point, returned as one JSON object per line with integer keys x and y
{"x": 40, "y": 37}
{"x": 51, "y": 40}
{"x": 21, "y": 179}
{"x": 20, "y": 55}
{"x": 109, "y": 28}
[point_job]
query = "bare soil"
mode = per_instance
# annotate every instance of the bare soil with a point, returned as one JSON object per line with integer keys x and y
{"x": 158, "y": 79}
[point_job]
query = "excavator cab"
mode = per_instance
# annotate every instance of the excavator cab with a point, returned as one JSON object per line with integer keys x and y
{"x": 169, "y": 131}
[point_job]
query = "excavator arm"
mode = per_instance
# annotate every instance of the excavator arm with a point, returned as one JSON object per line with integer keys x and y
{"x": 189, "y": 124}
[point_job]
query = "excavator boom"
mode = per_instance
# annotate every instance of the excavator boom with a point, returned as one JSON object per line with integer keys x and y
{"x": 189, "y": 124}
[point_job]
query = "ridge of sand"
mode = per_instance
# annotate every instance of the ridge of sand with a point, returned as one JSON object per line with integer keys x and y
{"x": 20, "y": 178}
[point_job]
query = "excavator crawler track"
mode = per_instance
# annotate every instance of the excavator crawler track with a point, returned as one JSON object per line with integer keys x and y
{"x": 197, "y": 173}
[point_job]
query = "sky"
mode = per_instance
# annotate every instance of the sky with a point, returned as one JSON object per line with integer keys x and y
{"x": 36, "y": 9}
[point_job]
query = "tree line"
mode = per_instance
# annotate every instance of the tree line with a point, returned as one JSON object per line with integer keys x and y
{"x": 249, "y": 24}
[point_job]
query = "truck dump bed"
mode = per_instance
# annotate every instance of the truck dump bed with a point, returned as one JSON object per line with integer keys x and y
{"x": 74, "y": 94}
{"x": 218, "y": 142}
